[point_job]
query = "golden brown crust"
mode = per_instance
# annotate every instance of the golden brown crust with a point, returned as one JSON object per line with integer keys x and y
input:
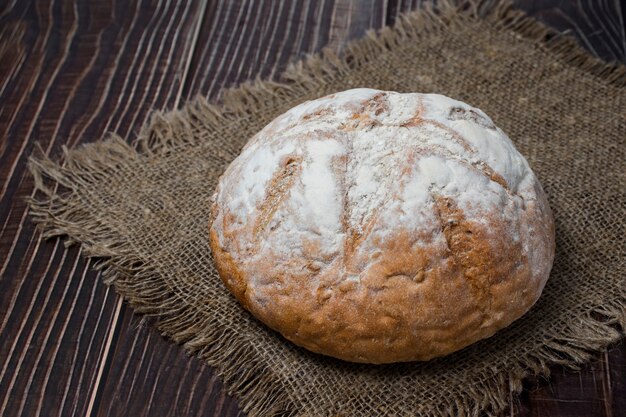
{"x": 406, "y": 295}
{"x": 419, "y": 309}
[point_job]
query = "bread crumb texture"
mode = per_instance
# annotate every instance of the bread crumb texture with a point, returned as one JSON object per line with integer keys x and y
{"x": 380, "y": 227}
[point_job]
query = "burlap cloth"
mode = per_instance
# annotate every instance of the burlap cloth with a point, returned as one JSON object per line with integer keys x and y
{"x": 143, "y": 210}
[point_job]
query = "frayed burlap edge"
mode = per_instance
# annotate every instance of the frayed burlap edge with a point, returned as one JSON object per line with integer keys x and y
{"x": 257, "y": 390}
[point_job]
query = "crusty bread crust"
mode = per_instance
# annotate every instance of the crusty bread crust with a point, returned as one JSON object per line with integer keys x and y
{"x": 362, "y": 281}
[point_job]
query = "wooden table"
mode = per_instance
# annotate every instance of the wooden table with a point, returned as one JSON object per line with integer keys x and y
{"x": 70, "y": 71}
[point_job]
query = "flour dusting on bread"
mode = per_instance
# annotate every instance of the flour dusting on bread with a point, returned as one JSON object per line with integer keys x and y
{"x": 332, "y": 186}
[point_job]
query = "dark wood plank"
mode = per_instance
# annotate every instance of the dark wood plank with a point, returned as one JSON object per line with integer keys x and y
{"x": 598, "y": 24}
{"x": 597, "y": 390}
{"x": 248, "y": 39}
{"x": 150, "y": 376}
{"x": 69, "y": 72}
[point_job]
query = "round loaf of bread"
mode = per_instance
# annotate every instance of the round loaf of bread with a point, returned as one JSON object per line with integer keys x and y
{"x": 379, "y": 227}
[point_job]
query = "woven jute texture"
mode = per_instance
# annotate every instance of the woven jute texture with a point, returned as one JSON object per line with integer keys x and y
{"x": 141, "y": 206}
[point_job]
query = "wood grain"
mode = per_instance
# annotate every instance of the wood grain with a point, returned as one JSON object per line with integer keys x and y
{"x": 598, "y": 390}
{"x": 74, "y": 70}
{"x": 70, "y": 72}
{"x": 598, "y": 24}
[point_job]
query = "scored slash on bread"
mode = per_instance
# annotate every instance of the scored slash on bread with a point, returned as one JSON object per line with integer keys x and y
{"x": 379, "y": 227}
